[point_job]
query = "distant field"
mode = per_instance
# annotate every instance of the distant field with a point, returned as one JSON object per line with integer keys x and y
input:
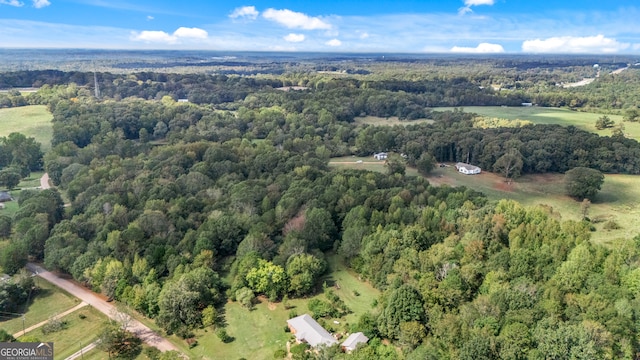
{"x": 367, "y": 163}
{"x": 260, "y": 332}
{"x": 32, "y": 121}
{"x": 543, "y": 115}
{"x": 619, "y": 199}
{"x": 390, "y": 121}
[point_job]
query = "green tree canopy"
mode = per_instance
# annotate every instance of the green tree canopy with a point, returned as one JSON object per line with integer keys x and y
{"x": 582, "y": 182}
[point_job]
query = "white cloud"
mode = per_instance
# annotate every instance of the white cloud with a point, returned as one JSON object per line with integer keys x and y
{"x": 482, "y": 48}
{"x": 364, "y": 35}
{"x": 164, "y": 37}
{"x": 149, "y": 18}
{"x": 469, "y": 3}
{"x": 248, "y": 12}
{"x": 295, "y": 20}
{"x": 154, "y": 36}
{"x": 294, "y": 37}
{"x": 573, "y": 44}
{"x": 11, "y": 3}
{"x": 194, "y": 33}
{"x": 38, "y": 4}
{"x": 333, "y": 42}
{"x": 478, "y": 2}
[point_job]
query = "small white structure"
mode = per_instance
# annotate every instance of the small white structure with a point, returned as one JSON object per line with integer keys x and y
{"x": 527, "y": 104}
{"x": 381, "y": 156}
{"x": 353, "y": 340}
{"x": 467, "y": 169}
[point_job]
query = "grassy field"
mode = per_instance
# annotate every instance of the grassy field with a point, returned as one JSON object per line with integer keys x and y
{"x": 543, "y": 115}
{"x": 31, "y": 182}
{"x": 619, "y": 199}
{"x": 77, "y": 334}
{"x": 260, "y": 332}
{"x": 49, "y": 302}
{"x": 390, "y": 121}
{"x": 32, "y": 121}
{"x": 364, "y": 163}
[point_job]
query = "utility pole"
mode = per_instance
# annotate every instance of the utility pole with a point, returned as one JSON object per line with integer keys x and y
{"x": 95, "y": 82}
{"x": 23, "y": 329}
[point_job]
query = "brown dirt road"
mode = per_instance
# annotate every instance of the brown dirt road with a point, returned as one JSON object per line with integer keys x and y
{"x": 143, "y": 332}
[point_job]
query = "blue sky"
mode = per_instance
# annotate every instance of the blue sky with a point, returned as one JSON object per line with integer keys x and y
{"x": 414, "y": 26}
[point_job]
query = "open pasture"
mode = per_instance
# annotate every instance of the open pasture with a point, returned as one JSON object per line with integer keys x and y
{"x": 32, "y": 121}
{"x": 543, "y": 115}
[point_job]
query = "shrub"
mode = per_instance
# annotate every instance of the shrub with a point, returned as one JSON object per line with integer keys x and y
{"x": 53, "y": 325}
{"x": 152, "y": 353}
{"x": 280, "y": 354}
{"x": 223, "y": 336}
{"x": 611, "y": 225}
{"x": 299, "y": 349}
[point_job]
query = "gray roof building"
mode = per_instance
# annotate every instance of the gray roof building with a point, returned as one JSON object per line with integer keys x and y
{"x": 5, "y": 196}
{"x": 353, "y": 340}
{"x": 308, "y": 330}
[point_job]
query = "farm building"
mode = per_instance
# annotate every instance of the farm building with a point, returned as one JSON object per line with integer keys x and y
{"x": 381, "y": 156}
{"x": 308, "y": 330}
{"x": 5, "y": 196}
{"x": 467, "y": 169}
{"x": 353, "y": 340}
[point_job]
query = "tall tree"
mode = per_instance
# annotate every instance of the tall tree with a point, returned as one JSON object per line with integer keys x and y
{"x": 509, "y": 164}
{"x": 583, "y": 183}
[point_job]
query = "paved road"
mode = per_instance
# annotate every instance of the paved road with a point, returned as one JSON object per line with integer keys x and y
{"x": 144, "y": 333}
{"x": 33, "y": 327}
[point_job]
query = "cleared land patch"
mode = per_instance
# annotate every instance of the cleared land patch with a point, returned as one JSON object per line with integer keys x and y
{"x": 390, "y": 121}
{"x": 542, "y": 115}
{"x": 260, "y": 332}
{"x": 32, "y": 121}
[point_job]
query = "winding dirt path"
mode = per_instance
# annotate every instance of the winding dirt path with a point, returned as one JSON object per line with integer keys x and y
{"x": 140, "y": 330}
{"x": 44, "y": 181}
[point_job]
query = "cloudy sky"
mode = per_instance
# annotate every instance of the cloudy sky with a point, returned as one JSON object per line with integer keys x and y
{"x": 413, "y": 26}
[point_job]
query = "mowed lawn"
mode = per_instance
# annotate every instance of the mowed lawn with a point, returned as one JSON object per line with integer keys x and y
{"x": 260, "y": 332}
{"x": 543, "y": 115}
{"x": 48, "y": 302}
{"x": 32, "y": 121}
{"x": 78, "y": 332}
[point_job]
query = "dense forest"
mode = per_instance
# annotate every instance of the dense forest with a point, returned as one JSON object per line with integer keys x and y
{"x": 176, "y": 207}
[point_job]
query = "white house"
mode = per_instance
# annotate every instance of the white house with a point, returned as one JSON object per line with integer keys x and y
{"x": 308, "y": 330}
{"x": 380, "y": 156}
{"x": 467, "y": 169}
{"x": 353, "y": 340}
